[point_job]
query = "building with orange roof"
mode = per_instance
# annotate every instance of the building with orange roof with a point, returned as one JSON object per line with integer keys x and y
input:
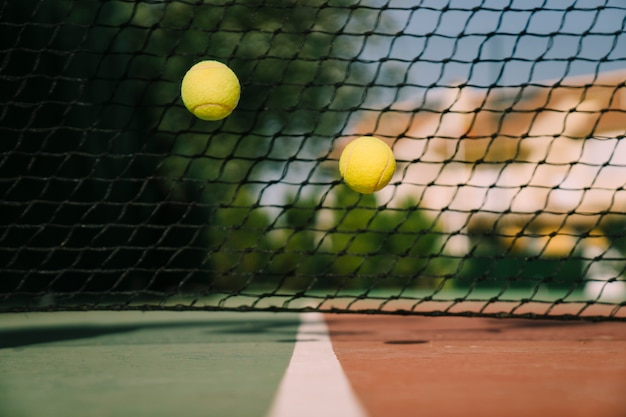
{"x": 543, "y": 164}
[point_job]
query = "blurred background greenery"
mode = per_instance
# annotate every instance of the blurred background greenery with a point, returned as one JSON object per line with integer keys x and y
{"x": 109, "y": 184}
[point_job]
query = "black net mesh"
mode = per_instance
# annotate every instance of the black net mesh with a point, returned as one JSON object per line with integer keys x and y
{"x": 506, "y": 118}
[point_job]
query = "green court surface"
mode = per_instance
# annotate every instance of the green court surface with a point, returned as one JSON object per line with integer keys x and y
{"x": 142, "y": 364}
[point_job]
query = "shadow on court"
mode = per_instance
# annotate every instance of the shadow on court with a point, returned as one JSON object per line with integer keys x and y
{"x": 14, "y": 338}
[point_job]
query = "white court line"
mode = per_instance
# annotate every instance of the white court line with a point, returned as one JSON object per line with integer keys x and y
{"x": 314, "y": 384}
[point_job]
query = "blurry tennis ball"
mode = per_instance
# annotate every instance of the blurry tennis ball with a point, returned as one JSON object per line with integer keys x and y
{"x": 367, "y": 164}
{"x": 210, "y": 90}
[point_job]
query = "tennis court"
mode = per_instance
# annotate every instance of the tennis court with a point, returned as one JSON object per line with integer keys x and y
{"x": 271, "y": 365}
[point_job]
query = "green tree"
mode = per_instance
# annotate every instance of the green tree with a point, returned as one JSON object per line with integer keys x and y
{"x": 299, "y": 263}
{"x": 379, "y": 247}
{"x": 110, "y": 183}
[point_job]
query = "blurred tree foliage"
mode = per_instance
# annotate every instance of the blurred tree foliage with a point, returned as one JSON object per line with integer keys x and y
{"x": 384, "y": 248}
{"x": 110, "y": 184}
{"x": 348, "y": 243}
{"x": 491, "y": 265}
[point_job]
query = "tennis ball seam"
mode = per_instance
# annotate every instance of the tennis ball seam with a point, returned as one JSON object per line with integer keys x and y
{"x": 201, "y": 106}
{"x": 382, "y": 173}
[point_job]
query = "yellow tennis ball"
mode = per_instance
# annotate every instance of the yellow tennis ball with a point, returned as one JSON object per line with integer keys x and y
{"x": 367, "y": 164}
{"x": 210, "y": 90}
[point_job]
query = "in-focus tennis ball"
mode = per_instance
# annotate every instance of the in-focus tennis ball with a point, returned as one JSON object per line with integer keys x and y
{"x": 367, "y": 164}
{"x": 210, "y": 90}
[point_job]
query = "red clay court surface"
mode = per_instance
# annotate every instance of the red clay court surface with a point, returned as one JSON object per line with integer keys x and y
{"x": 456, "y": 366}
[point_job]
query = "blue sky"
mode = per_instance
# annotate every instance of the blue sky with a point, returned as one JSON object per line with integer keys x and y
{"x": 504, "y": 42}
